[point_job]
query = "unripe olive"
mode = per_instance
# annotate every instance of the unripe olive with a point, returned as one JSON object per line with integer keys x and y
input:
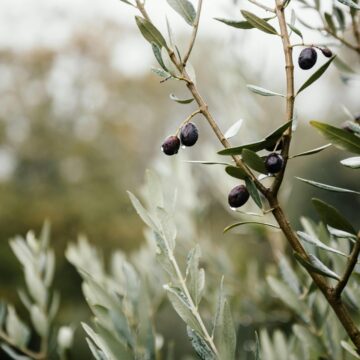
{"x": 274, "y": 163}
{"x": 171, "y": 145}
{"x": 189, "y": 134}
{"x": 279, "y": 147}
{"x": 238, "y": 196}
{"x": 326, "y": 52}
{"x": 307, "y": 58}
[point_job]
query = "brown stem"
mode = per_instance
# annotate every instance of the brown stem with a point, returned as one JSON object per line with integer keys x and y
{"x": 349, "y": 269}
{"x": 290, "y": 92}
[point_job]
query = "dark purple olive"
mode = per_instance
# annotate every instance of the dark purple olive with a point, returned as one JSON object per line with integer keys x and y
{"x": 189, "y": 134}
{"x": 307, "y": 58}
{"x": 326, "y": 52}
{"x": 279, "y": 146}
{"x": 274, "y": 163}
{"x": 238, "y": 196}
{"x": 171, "y": 145}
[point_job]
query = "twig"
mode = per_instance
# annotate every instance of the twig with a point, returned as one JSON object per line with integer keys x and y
{"x": 193, "y": 36}
{"x": 255, "y": 2}
{"x": 34, "y": 355}
{"x": 349, "y": 269}
{"x": 198, "y": 111}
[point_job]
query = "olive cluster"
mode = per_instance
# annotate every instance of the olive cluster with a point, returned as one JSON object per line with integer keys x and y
{"x": 189, "y": 135}
{"x": 308, "y": 56}
{"x": 273, "y": 162}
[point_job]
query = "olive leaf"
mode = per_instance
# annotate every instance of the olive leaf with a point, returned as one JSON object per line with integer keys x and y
{"x": 353, "y": 162}
{"x": 316, "y": 242}
{"x": 253, "y": 160}
{"x": 331, "y": 216}
{"x": 339, "y": 137}
{"x": 328, "y": 187}
{"x": 316, "y": 75}
{"x": 224, "y": 330}
{"x": 253, "y": 191}
{"x": 311, "y": 152}
{"x": 258, "y": 23}
{"x": 313, "y": 264}
{"x": 245, "y": 25}
{"x": 236, "y": 172}
{"x": 185, "y": 8}
{"x": 233, "y": 129}
{"x": 157, "y": 54}
{"x": 232, "y": 226}
{"x": 150, "y": 32}
{"x": 330, "y": 22}
{"x": 269, "y": 140}
{"x": 127, "y": 2}
{"x": 160, "y": 72}
{"x": 181, "y": 101}
{"x": 296, "y": 30}
{"x": 261, "y": 91}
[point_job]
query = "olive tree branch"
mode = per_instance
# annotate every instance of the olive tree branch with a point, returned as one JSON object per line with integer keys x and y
{"x": 193, "y": 37}
{"x": 34, "y": 355}
{"x": 198, "y": 111}
{"x": 271, "y": 194}
{"x": 349, "y": 269}
{"x": 329, "y": 292}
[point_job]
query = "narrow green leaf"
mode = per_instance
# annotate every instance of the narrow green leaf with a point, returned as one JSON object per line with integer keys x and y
{"x": 200, "y": 345}
{"x": 339, "y": 137}
{"x": 181, "y": 101}
{"x": 315, "y": 265}
{"x": 245, "y": 25}
{"x": 332, "y": 217}
{"x": 258, "y": 23}
{"x": 233, "y": 129}
{"x": 224, "y": 330}
{"x": 327, "y": 187}
{"x": 142, "y": 212}
{"x": 295, "y": 30}
{"x": 312, "y": 151}
{"x": 353, "y": 162}
{"x": 276, "y": 134}
{"x": 157, "y": 54}
{"x": 184, "y": 8}
{"x": 330, "y": 22}
{"x": 160, "y": 72}
{"x": 236, "y": 172}
{"x": 316, "y": 75}
{"x": 150, "y": 32}
{"x": 339, "y": 14}
{"x": 248, "y": 222}
{"x": 207, "y": 162}
{"x": 269, "y": 140}
{"x": 182, "y": 307}
{"x": 350, "y": 349}
{"x": 316, "y": 242}
{"x": 288, "y": 275}
{"x": 253, "y": 191}
{"x": 253, "y": 160}
{"x": 350, "y": 3}
{"x": 261, "y": 91}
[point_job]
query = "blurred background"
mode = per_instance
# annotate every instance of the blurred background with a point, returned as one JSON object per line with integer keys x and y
{"x": 82, "y": 117}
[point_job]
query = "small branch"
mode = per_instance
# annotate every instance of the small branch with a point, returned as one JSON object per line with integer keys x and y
{"x": 342, "y": 40}
{"x": 193, "y": 36}
{"x": 349, "y": 269}
{"x": 290, "y": 92}
{"x": 198, "y": 111}
{"x": 266, "y": 8}
{"x": 25, "y": 351}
